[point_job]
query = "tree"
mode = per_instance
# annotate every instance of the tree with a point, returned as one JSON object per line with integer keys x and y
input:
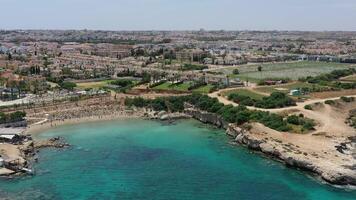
{"x": 9, "y": 56}
{"x": 259, "y": 68}
{"x": 236, "y": 71}
{"x": 68, "y": 85}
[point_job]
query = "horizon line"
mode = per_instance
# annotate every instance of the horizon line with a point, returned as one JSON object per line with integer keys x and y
{"x": 171, "y": 30}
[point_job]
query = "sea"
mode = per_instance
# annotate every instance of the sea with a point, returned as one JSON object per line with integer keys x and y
{"x": 144, "y": 159}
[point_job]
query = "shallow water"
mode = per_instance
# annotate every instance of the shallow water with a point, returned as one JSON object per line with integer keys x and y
{"x": 138, "y": 159}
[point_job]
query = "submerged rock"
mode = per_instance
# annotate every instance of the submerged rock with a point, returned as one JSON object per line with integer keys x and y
{"x": 56, "y": 142}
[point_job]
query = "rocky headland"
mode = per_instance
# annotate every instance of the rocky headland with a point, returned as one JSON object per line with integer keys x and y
{"x": 331, "y": 158}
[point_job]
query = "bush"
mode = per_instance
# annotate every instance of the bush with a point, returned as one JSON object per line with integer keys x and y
{"x": 236, "y": 71}
{"x": 308, "y": 125}
{"x": 327, "y": 79}
{"x": 68, "y": 85}
{"x": 272, "y": 121}
{"x": 347, "y": 99}
{"x": 308, "y": 107}
{"x": 12, "y": 117}
{"x": 122, "y": 83}
{"x": 330, "y": 102}
{"x": 187, "y": 67}
{"x": 276, "y": 100}
{"x": 241, "y": 99}
{"x": 293, "y": 119}
{"x": 138, "y": 102}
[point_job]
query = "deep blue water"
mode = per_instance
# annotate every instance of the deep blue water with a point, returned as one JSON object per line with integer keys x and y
{"x": 138, "y": 159}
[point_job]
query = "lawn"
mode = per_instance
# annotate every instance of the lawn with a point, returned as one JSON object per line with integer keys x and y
{"x": 293, "y": 70}
{"x": 170, "y": 86}
{"x": 94, "y": 84}
{"x": 245, "y": 92}
{"x": 204, "y": 89}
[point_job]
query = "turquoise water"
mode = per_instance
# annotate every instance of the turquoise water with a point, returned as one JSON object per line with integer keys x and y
{"x": 138, "y": 159}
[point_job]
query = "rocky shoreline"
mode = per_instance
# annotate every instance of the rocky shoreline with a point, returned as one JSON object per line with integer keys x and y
{"x": 289, "y": 154}
{"x": 20, "y": 162}
{"x": 341, "y": 176}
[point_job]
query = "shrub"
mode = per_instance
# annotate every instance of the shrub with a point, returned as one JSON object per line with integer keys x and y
{"x": 276, "y": 100}
{"x": 241, "y": 99}
{"x": 308, "y": 107}
{"x": 68, "y": 85}
{"x": 12, "y": 117}
{"x": 330, "y": 102}
{"x": 330, "y": 78}
{"x": 347, "y": 99}
{"x": 293, "y": 119}
{"x": 138, "y": 102}
{"x": 122, "y": 83}
{"x": 272, "y": 121}
{"x": 236, "y": 71}
{"x": 308, "y": 125}
{"x": 187, "y": 67}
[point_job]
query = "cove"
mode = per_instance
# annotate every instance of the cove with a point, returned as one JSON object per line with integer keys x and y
{"x": 141, "y": 159}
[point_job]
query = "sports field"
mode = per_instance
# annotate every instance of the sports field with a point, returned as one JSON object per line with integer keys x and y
{"x": 94, "y": 84}
{"x": 293, "y": 70}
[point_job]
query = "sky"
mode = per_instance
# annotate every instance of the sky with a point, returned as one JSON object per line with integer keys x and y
{"x": 309, "y": 15}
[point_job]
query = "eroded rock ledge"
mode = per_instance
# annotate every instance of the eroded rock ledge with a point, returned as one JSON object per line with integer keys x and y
{"x": 338, "y": 175}
{"x": 56, "y": 142}
{"x": 291, "y": 155}
{"x": 18, "y": 157}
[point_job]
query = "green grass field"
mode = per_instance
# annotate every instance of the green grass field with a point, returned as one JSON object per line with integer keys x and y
{"x": 293, "y": 71}
{"x": 169, "y": 86}
{"x": 204, "y": 89}
{"x": 96, "y": 84}
{"x": 184, "y": 87}
{"x": 245, "y": 92}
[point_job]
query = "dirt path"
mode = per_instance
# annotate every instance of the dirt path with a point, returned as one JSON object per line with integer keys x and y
{"x": 299, "y": 106}
{"x": 330, "y": 120}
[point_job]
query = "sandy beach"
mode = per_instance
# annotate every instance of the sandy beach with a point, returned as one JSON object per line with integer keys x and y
{"x": 48, "y": 124}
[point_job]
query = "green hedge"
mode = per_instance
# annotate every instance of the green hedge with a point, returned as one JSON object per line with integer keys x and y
{"x": 275, "y": 100}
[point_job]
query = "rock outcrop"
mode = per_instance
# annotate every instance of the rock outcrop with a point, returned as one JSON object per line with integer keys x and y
{"x": 165, "y": 116}
{"x": 207, "y": 117}
{"x": 337, "y": 175}
{"x": 56, "y": 142}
